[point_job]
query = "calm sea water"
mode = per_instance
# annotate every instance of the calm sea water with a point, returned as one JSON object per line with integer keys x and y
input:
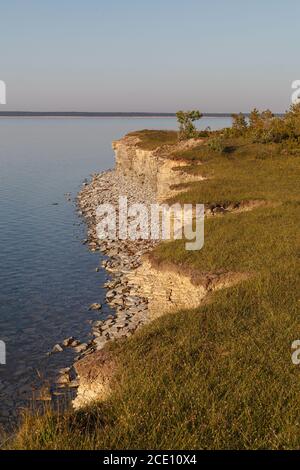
{"x": 47, "y": 276}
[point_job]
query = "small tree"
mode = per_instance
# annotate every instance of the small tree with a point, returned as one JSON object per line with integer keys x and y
{"x": 267, "y": 116}
{"x": 260, "y": 125}
{"x": 254, "y": 119}
{"x": 187, "y": 129}
{"x": 239, "y": 124}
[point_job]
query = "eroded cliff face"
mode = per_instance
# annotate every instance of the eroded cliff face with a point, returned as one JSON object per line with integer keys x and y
{"x": 170, "y": 288}
{"x": 94, "y": 373}
{"x": 153, "y": 165}
{"x": 166, "y": 288}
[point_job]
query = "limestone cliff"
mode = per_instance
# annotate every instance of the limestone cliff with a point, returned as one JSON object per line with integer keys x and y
{"x": 155, "y": 166}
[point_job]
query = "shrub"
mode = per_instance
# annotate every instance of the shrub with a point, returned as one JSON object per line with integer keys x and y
{"x": 205, "y": 133}
{"x": 254, "y": 119}
{"x": 216, "y": 144}
{"x": 265, "y": 128}
{"x": 239, "y": 124}
{"x": 187, "y": 129}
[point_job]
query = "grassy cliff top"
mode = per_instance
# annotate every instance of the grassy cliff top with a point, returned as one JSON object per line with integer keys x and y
{"x": 152, "y": 139}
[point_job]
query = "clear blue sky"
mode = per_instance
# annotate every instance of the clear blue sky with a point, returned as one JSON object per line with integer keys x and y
{"x": 154, "y": 55}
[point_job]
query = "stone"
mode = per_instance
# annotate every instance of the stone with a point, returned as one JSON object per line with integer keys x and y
{"x": 100, "y": 342}
{"x": 219, "y": 210}
{"x": 80, "y": 348}
{"x": 95, "y": 306}
{"x": 57, "y": 348}
{"x": 68, "y": 341}
{"x": 110, "y": 294}
{"x": 63, "y": 379}
{"x": 74, "y": 383}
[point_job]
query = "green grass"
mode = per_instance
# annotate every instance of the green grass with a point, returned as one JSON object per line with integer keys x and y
{"x": 219, "y": 376}
{"x": 247, "y": 171}
{"x": 151, "y": 139}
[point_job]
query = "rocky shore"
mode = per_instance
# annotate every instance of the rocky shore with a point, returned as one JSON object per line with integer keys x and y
{"x": 124, "y": 256}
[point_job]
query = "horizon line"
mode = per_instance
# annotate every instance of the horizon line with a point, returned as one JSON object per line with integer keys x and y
{"x": 96, "y": 114}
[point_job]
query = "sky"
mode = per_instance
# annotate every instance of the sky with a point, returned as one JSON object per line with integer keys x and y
{"x": 152, "y": 56}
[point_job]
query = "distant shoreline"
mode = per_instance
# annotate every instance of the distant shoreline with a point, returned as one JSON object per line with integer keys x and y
{"x": 96, "y": 114}
{"x": 74, "y": 114}
{"x": 99, "y": 115}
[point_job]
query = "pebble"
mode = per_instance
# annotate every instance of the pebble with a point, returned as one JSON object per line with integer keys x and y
{"x": 63, "y": 379}
{"x": 74, "y": 383}
{"x": 80, "y": 348}
{"x": 68, "y": 341}
{"x": 95, "y": 306}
